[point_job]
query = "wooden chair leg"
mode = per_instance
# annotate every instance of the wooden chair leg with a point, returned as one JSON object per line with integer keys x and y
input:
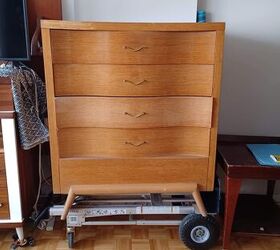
{"x": 199, "y": 202}
{"x": 232, "y": 192}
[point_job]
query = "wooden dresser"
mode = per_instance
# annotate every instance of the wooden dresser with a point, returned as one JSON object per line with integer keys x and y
{"x": 132, "y": 103}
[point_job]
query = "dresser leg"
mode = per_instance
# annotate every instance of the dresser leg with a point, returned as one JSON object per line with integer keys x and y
{"x": 20, "y": 234}
{"x": 232, "y": 192}
{"x": 199, "y": 203}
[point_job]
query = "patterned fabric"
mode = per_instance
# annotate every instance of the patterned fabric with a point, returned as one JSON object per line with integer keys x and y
{"x": 29, "y": 96}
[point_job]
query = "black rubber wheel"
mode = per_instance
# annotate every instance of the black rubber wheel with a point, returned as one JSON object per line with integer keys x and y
{"x": 70, "y": 239}
{"x": 198, "y": 232}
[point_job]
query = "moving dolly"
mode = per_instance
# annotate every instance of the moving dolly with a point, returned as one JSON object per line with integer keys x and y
{"x": 197, "y": 229}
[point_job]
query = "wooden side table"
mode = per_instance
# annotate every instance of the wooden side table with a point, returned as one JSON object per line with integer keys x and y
{"x": 238, "y": 163}
{"x": 18, "y": 168}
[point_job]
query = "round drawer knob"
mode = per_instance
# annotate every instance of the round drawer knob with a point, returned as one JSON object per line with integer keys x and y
{"x": 1, "y": 204}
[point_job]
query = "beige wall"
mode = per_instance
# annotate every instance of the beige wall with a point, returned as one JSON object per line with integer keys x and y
{"x": 251, "y": 76}
{"x": 130, "y": 10}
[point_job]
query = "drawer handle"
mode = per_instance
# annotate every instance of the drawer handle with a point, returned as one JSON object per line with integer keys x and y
{"x": 135, "y": 83}
{"x": 1, "y": 204}
{"x": 135, "y": 116}
{"x": 136, "y": 144}
{"x": 135, "y": 49}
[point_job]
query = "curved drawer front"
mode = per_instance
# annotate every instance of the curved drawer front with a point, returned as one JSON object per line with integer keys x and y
{"x": 120, "y": 112}
{"x": 99, "y": 142}
{"x": 141, "y": 170}
{"x": 132, "y": 47}
{"x": 133, "y": 80}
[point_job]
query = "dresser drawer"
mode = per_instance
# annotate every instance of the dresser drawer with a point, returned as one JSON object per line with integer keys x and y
{"x": 138, "y": 47}
{"x": 133, "y": 80}
{"x": 119, "y": 112}
{"x": 99, "y": 142}
{"x": 143, "y": 170}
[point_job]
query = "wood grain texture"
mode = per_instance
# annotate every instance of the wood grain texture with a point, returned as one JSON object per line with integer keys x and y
{"x": 51, "y": 108}
{"x": 50, "y": 9}
{"x": 6, "y": 99}
{"x": 84, "y": 171}
{"x": 129, "y": 238}
{"x": 1, "y": 142}
{"x": 128, "y": 112}
{"x": 113, "y": 26}
{"x": 105, "y": 47}
{"x": 99, "y": 142}
{"x": 3, "y": 182}
{"x": 4, "y": 202}
{"x": 219, "y": 49}
{"x": 133, "y": 80}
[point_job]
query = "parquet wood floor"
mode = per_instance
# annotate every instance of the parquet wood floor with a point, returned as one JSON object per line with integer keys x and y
{"x": 130, "y": 238}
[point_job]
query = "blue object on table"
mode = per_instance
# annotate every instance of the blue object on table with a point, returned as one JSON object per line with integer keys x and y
{"x": 201, "y": 16}
{"x": 263, "y": 152}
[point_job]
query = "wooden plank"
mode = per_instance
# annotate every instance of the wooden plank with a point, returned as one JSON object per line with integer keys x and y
{"x": 105, "y": 47}
{"x": 99, "y": 142}
{"x": 133, "y": 80}
{"x": 51, "y": 108}
{"x": 84, "y": 171}
{"x": 119, "y": 112}
{"x": 4, "y": 202}
{"x": 216, "y": 106}
{"x": 113, "y": 26}
{"x": 1, "y": 142}
{"x": 6, "y": 99}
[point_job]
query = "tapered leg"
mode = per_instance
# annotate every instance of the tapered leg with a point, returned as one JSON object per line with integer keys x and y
{"x": 199, "y": 203}
{"x": 20, "y": 233}
{"x": 232, "y": 192}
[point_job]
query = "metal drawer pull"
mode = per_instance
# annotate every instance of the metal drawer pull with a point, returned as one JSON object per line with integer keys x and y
{"x": 134, "y": 83}
{"x": 135, "y": 116}
{"x": 135, "y": 144}
{"x": 135, "y": 49}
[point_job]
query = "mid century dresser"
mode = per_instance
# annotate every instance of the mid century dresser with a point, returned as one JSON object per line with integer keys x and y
{"x": 132, "y": 103}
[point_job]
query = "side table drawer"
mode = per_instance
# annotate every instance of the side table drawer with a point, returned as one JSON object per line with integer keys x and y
{"x": 4, "y": 202}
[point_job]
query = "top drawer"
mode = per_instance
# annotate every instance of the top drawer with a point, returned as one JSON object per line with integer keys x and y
{"x": 142, "y": 47}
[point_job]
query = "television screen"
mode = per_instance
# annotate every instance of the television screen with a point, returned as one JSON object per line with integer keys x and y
{"x": 14, "y": 42}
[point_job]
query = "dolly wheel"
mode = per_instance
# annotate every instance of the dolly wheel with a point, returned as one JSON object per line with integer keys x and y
{"x": 198, "y": 232}
{"x": 70, "y": 239}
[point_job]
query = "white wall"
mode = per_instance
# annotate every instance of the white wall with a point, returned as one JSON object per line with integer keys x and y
{"x": 251, "y": 79}
{"x": 251, "y": 76}
{"x": 130, "y": 10}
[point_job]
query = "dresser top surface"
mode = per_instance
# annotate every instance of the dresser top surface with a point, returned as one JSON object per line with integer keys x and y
{"x": 72, "y": 25}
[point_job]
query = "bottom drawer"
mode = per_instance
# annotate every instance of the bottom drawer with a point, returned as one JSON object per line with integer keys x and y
{"x": 141, "y": 170}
